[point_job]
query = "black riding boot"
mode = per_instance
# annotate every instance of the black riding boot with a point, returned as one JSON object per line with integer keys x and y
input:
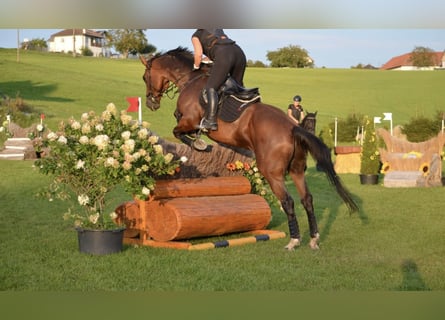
{"x": 209, "y": 122}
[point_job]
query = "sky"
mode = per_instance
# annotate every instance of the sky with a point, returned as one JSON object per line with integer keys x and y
{"x": 336, "y": 33}
{"x": 331, "y": 48}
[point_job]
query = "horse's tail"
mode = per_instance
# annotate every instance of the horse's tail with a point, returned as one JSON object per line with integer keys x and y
{"x": 322, "y": 155}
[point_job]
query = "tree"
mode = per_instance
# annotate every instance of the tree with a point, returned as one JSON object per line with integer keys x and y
{"x": 256, "y": 64}
{"x": 362, "y": 66}
{"x": 291, "y": 56}
{"x": 127, "y": 41}
{"x": 149, "y": 48}
{"x": 421, "y": 128}
{"x": 35, "y": 44}
{"x": 347, "y": 128}
{"x": 422, "y": 57}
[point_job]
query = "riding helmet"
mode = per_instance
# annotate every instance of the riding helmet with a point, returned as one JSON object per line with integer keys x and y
{"x": 297, "y": 98}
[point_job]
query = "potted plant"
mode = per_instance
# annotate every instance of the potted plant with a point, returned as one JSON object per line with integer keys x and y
{"x": 91, "y": 156}
{"x": 369, "y": 156}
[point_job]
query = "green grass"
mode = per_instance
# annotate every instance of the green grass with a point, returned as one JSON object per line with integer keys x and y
{"x": 61, "y": 86}
{"x": 395, "y": 243}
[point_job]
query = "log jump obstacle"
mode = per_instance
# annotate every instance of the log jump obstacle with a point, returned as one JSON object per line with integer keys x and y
{"x": 184, "y": 209}
{"x": 411, "y": 164}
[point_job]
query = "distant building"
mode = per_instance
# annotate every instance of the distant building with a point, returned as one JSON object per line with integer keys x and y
{"x": 74, "y": 40}
{"x": 404, "y": 62}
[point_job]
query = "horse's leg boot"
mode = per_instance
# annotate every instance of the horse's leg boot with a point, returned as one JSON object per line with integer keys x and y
{"x": 209, "y": 122}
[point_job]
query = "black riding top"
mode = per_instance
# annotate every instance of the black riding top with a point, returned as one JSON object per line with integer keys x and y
{"x": 228, "y": 58}
{"x": 210, "y": 38}
{"x": 296, "y": 112}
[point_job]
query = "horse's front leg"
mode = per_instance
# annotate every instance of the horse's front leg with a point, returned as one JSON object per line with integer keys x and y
{"x": 186, "y": 138}
{"x": 184, "y": 130}
{"x": 190, "y": 137}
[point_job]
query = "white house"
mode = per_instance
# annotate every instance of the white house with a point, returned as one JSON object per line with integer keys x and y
{"x": 74, "y": 40}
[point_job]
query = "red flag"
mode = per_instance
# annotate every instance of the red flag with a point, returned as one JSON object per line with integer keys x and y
{"x": 42, "y": 116}
{"x": 134, "y": 104}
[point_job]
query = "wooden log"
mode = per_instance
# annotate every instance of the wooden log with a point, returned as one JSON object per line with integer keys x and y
{"x": 211, "y": 186}
{"x": 187, "y": 218}
{"x": 211, "y": 163}
{"x": 129, "y": 213}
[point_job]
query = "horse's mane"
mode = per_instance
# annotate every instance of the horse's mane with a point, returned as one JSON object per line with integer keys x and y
{"x": 180, "y": 53}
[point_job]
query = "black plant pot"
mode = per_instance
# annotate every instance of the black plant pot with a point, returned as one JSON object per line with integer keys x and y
{"x": 100, "y": 242}
{"x": 369, "y": 178}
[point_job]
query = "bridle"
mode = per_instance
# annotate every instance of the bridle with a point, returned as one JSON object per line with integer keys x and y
{"x": 151, "y": 94}
{"x": 174, "y": 86}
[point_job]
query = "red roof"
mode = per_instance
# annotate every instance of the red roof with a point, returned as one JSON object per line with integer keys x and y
{"x": 405, "y": 60}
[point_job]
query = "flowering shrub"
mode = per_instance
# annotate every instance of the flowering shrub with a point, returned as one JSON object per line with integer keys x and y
{"x": 370, "y": 157}
{"x": 93, "y": 155}
{"x": 258, "y": 183}
{"x": 37, "y": 137}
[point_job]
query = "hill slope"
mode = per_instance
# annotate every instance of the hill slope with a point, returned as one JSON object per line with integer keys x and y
{"x": 61, "y": 86}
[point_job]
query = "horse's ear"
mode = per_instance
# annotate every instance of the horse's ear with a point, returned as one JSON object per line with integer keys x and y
{"x": 143, "y": 60}
{"x": 315, "y": 113}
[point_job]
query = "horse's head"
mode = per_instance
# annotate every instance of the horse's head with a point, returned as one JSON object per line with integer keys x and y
{"x": 163, "y": 69}
{"x": 156, "y": 83}
{"x": 309, "y": 121}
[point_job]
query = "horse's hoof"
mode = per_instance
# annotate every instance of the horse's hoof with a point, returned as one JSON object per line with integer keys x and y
{"x": 199, "y": 144}
{"x": 313, "y": 244}
{"x": 292, "y": 244}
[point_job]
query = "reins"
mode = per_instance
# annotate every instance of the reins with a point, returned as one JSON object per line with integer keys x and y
{"x": 173, "y": 84}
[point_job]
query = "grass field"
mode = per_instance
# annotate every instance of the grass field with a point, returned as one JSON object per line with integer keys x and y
{"x": 396, "y": 242}
{"x": 60, "y": 86}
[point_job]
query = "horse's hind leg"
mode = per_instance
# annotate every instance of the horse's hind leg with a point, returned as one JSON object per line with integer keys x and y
{"x": 288, "y": 206}
{"x": 274, "y": 172}
{"x": 307, "y": 202}
{"x": 313, "y": 228}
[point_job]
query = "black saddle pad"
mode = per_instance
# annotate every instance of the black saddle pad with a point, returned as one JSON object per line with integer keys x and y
{"x": 232, "y": 107}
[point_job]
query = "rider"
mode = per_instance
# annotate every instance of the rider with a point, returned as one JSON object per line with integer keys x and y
{"x": 295, "y": 110}
{"x": 228, "y": 59}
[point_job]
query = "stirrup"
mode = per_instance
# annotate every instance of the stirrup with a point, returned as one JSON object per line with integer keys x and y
{"x": 199, "y": 144}
{"x": 205, "y": 126}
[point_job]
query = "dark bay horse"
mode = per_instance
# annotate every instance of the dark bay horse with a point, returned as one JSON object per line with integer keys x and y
{"x": 309, "y": 121}
{"x": 279, "y": 146}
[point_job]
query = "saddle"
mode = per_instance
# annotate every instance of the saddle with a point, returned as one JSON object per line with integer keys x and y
{"x": 231, "y": 87}
{"x": 233, "y": 99}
